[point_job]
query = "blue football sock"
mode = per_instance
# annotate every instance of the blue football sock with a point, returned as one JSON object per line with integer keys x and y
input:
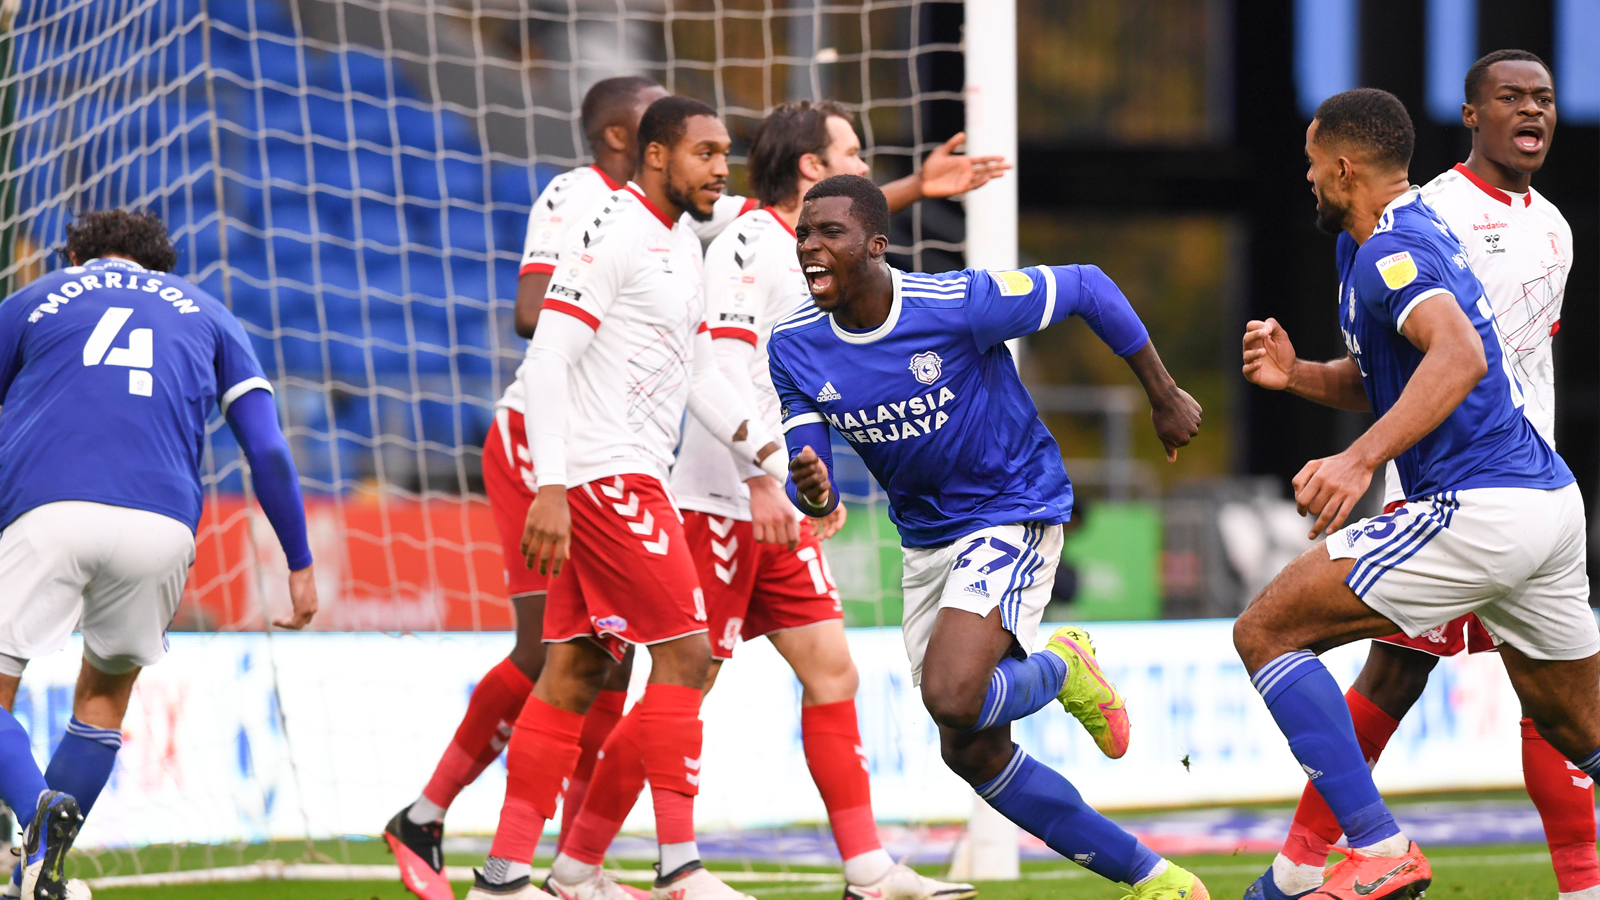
{"x": 1044, "y": 803}
{"x": 20, "y": 779}
{"x": 1590, "y": 765}
{"x": 1021, "y": 687}
{"x": 1311, "y": 712}
{"x": 82, "y": 762}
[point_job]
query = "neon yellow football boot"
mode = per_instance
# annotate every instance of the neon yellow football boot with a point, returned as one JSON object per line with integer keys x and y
{"x": 1173, "y": 884}
{"x": 1088, "y": 694}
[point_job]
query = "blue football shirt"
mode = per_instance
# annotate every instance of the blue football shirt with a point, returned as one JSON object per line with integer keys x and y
{"x": 931, "y": 399}
{"x": 108, "y": 372}
{"x": 1486, "y": 441}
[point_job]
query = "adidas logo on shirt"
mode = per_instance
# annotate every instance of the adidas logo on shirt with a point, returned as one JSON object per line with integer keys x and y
{"x": 827, "y": 393}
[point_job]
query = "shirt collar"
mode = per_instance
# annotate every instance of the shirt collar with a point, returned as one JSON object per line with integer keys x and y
{"x": 882, "y": 331}
{"x": 1491, "y": 190}
{"x": 654, "y": 210}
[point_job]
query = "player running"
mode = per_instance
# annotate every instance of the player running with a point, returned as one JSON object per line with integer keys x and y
{"x": 608, "y": 378}
{"x": 1520, "y": 248}
{"x": 1492, "y": 524}
{"x": 109, "y": 369}
{"x": 763, "y": 573}
{"x": 913, "y": 371}
{"x": 610, "y": 116}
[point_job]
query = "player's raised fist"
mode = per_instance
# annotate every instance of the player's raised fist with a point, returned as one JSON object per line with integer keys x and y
{"x": 1268, "y": 355}
{"x": 303, "y": 598}
{"x": 810, "y": 478}
{"x": 547, "y": 536}
{"x": 1176, "y": 420}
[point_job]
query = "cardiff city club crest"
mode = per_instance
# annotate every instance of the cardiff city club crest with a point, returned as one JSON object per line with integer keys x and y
{"x": 926, "y": 367}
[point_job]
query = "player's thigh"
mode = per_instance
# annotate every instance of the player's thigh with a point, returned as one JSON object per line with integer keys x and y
{"x": 726, "y": 562}
{"x": 508, "y": 483}
{"x": 1546, "y": 615}
{"x": 131, "y": 599}
{"x": 1307, "y": 607}
{"x": 46, "y": 558}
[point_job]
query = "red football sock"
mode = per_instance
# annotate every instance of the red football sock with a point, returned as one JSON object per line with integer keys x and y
{"x": 618, "y": 778}
{"x": 483, "y": 732}
{"x": 597, "y": 726}
{"x": 1315, "y": 829}
{"x": 1564, "y": 797}
{"x": 670, "y": 716}
{"x": 542, "y": 754}
{"x": 832, "y": 740}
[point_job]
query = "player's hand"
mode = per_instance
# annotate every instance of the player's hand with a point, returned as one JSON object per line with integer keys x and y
{"x": 1329, "y": 489}
{"x": 829, "y": 525}
{"x": 547, "y": 536}
{"x": 1268, "y": 355}
{"x": 810, "y": 477}
{"x": 772, "y": 518}
{"x": 944, "y": 174}
{"x": 303, "y": 596}
{"x": 1176, "y": 418}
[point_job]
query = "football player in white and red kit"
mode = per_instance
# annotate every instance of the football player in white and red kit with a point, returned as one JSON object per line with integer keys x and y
{"x": 621, "y": 352}
{"x": 1520, "y": 248}
{"x": 762, "y": 569}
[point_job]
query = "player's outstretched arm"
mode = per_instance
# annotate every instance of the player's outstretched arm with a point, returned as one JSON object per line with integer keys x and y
{"x": 1452, "y": 364}
{"x": 1269, "y": 361}
{"x": 254, "y": 422}
{"x": 944, "y": 174}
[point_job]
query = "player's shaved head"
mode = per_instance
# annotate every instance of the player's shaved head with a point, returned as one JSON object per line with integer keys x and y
{"x": 138, "y": 234}
{"x": 868, "y": 206}
{"x": 667, "y": 121}
{"x": 790, "y": 132}
{"x": 613, "y": 101}
{"x": 1367, "y": 124}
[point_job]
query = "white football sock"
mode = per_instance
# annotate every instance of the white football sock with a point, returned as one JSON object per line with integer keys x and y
{"x": 425, "y": 811}
{"x": 499, "y": 870}
{"x": 1156, "y": 871}
{"x": 868, "y": 867}
{"x": 1390, "y": 847}
{"x": 571, "y": 871}
{"x": 1293, "y": 878}
{"x": 676, "y": 856}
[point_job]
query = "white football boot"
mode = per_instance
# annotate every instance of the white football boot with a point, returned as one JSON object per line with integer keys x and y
{"x": 693, "y": 882}
{"x": 902, "y": 882}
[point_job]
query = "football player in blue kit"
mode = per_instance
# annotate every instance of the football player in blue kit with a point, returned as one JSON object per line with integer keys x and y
{"x": 109, "y": 368}
{"x": 913, "y": 371}
{"x": 1492, "y": 522}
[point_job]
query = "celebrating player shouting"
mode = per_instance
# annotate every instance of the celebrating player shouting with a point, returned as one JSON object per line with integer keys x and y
{"x": 621, "y": 350}
{"x": 1492, "y": 523}
{"x": 1520, "y": 247}
{"x": 914, "y": 372}
{"x": 762, "y": 573}
{"x": 98, "y": 534}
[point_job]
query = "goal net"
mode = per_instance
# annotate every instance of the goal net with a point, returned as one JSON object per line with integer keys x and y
{"x": 352, "y": 178}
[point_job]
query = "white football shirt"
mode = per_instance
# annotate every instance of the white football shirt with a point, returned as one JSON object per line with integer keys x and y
{"x": 1520, "y": 247}
{"x": 753, "y": 280}
{"x": 634, "y": 276}
{"x": 560, "y": 209}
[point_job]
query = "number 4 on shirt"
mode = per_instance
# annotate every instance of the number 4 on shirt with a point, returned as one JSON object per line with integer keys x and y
{"x": 138, "y": 355}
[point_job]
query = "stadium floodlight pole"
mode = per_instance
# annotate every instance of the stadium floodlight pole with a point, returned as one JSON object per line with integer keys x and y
{"x": 989, "y": 39}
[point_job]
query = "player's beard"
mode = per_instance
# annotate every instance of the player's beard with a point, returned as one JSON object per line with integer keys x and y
{"x": 1330, "y": 216}
{"x": 684, "y": 199}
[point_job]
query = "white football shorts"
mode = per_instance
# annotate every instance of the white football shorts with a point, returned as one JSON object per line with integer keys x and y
{"x": 115, "y": 572}
{"x": 1011, "y": 567}
{"x": 1515, "y": 556}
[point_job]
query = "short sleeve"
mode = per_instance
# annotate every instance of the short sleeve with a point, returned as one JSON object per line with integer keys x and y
{"x": 795, "y": 407}
{"x": 1397, "y": 275}
{"x": 735, "y": 286}
{"x": 238, "y": 370}
{"x": 1008, "y": 304}
{"x": 12, "y": 321}
{"x": 592, "y": 270}
{"x": 541, "y": 248}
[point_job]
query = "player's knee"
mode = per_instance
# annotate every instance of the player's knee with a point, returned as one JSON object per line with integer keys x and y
{"x": 973, "y": 761}
{"x": 528, "y": 657}
{"x": 949, "y": 704}
{"x": 830, "y": 680}
{"x": 685, "y": 661}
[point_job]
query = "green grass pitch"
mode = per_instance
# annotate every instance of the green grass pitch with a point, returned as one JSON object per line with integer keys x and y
{"x": 1507, "y": 872}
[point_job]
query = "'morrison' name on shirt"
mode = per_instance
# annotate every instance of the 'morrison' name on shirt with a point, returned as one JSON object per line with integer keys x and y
{"x": 907, "y": 419}
{"x": 76, "y": 286}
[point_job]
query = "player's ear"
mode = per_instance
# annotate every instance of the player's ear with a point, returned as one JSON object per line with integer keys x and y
{"x": 1469, "y": 116}
{"x": 811, "y": 167}
{"x": 878, "y": 246}
{"x": 655, "y": 156}
{"x": 616, "y": 137}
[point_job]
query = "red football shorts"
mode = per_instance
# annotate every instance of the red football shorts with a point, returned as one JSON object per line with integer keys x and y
{"x": 1464, "y": 633}
{"x": 755, "y": 589}
{"x": 630, "y": 579}
{"x": 508, "y": 480}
